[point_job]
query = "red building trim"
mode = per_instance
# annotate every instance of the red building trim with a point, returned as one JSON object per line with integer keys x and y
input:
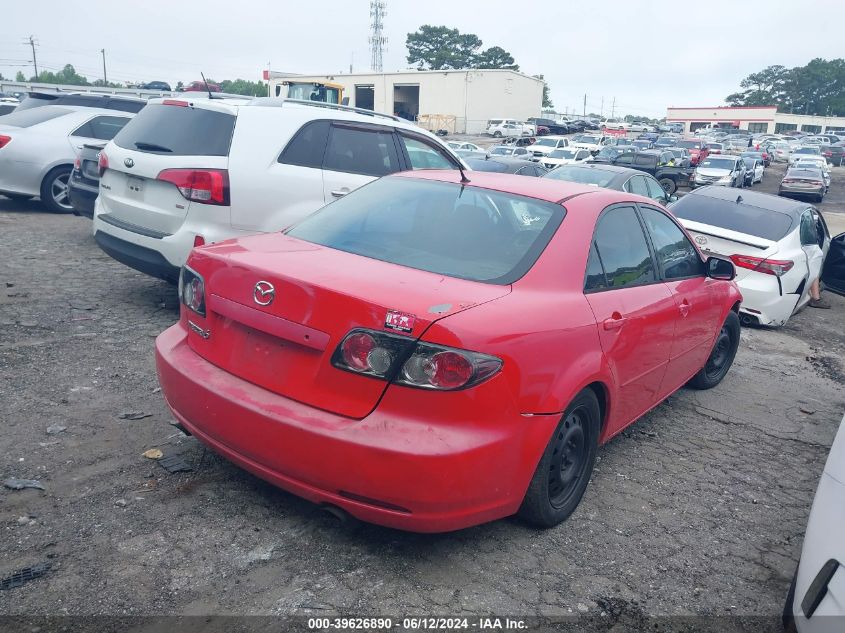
{"x": 727, "y": 108}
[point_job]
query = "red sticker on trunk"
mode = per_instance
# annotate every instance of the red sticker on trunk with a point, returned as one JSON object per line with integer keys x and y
{"x": 398, "y": 321}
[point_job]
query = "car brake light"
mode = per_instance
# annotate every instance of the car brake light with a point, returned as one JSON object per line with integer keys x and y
{"x": 403, "y": 361}
{"x": 192, "y": 290}
{"x": 77, "y": 164}
{"x": 4, "y": 140}
{"x": 102, "y": 163}
{"x": 175, "y": 102}
{"x": 199, "y": 240}
{"x": 761, "y": 265}
{"x": 208, "y": 186}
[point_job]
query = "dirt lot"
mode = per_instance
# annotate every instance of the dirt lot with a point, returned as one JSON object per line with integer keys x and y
{"x": 699, "y": 508}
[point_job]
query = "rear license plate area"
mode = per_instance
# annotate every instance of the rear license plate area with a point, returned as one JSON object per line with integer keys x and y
{"x": 135, "y": 187}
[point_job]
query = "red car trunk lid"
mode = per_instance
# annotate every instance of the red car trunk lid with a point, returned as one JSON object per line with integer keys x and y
{"x": 319, "y": 295}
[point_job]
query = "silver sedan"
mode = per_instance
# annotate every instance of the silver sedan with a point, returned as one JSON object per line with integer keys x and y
{"x": 39, "y": 146}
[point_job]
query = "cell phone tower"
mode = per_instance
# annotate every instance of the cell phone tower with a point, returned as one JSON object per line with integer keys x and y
{"x": 377, "y": 39}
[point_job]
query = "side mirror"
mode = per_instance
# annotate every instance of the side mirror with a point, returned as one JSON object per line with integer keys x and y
{"x": 672, "y": 198}
{"x": 718, "y": 268}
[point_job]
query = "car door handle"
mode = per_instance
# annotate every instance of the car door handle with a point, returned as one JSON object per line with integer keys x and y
{"x": 339, "y": 193}
{"x": 615, "y": 322}
{"x": 684, "y": 308}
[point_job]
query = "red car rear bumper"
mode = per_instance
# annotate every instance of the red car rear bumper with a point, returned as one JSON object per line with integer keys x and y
{"x": 420, "y": 461}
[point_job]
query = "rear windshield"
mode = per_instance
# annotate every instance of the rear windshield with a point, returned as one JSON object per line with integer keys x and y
{"x": 33, "y": 116}
{"x": 584, "y": 175}
{"x": 178, "y": 131}
{"x": 718, "y": 163}
{"x": 743, "y": 218}
{"x": 690, "y": 144}
{"x": 444, "y": 228}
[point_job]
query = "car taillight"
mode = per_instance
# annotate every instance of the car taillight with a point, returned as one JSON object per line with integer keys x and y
{"x": 192, "y": 290}
{"x": 787, "y": 181}
{"x": 404, "y": 361}
{"x": 208, "y": 186}
{"x": 77, "y": 164}
{"x": 761, "y": 265}
{"x": 175, "y": 102}
{"x": 102, "y": 163}
{"x": 828, "y": 153}
{"x": 4, "y": 140}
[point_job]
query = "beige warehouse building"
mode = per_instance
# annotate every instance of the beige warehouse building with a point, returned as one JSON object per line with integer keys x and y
{"x": 754, "y": 119}
{"x": 461, "y": 101}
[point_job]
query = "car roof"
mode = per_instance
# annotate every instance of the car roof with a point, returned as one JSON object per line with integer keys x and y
{"x": 790, "y": 207}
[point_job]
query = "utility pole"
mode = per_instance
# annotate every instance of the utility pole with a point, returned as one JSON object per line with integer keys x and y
{"x": 585, "y": 104}
{"x": 34, "y": 60}
{"x": 105, "y": 77}
{"x": 613, "y": 109}
{"x": 602, "y": 107}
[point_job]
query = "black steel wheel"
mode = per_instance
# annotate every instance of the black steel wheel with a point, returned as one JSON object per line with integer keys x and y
{"x": 564, "y": 470}
{"x": 721, "y": 356}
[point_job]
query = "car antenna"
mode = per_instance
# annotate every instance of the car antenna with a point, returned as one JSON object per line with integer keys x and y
{"x": 464, "y": 178}
{"x": 206, "y": 85}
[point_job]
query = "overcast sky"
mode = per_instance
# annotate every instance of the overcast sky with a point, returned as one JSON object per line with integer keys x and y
{"x": 647, "y": 54}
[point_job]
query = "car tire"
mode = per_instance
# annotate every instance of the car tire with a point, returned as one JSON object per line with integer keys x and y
{"x": 564, "y": 470}
{"x": 669, "y": 185}
{"x": 820, "y": 198}
{"x": 721, "y": 356}
{"x": 55, "y": 190}
{"x": 497, "y": 134}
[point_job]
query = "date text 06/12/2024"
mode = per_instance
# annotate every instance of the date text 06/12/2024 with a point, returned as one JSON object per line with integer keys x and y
{"x": 417, "y": 624}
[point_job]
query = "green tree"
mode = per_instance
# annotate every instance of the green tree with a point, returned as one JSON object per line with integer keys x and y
{"x": 495, "y": 57}
{"x": 817, "y": 88}
{"x": 442, "y": 48}
{"x": 19, "y": 77}
{"x": 242, "y": 87}
{"x": 66, "y": 75}
{"x": 179, "y": 86}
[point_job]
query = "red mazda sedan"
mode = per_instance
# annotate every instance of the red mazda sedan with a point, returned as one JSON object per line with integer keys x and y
{"x": 430, "y": 354}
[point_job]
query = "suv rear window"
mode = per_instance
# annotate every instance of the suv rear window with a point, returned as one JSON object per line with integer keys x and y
{"x": 444, "y": 228}
{"x": 28, "y": 118}
{"x": 178, "y": 131}
{"x": 743, "y": 218}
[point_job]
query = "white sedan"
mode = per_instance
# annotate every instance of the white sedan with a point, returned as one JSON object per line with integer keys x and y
{"x": 38, "y": 147}
{"x": 778, "y": 246}
{"x": 565, "y": 156}
{"x": 464, "y": 147}
{"x": 816, "y": 598}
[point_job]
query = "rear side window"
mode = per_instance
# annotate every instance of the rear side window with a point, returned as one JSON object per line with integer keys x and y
{"x": 595, "y": 273}
{"x": 625, "y": 159}
{"x": 178, "y": 131}
{"x": 308, "y": 146}
{"x": 33, "y": 116}
{"x": 742, "y": 218}
{"x": 361, "y": 151}
{"x": 644, "y": 159}
{"x": 444, "y": 228}
{"x": 101, "y": 127}
{"x": 622, "y": 249}
{"x": 675, "y": 253}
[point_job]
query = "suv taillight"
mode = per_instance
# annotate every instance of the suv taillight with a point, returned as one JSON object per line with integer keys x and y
{"x": 403, "y": 361}
{"x": 775, "y": 267}
{"x": 4, "y": 140}
{"x": 102, "y": 163}
{"x": 208, "y": 186}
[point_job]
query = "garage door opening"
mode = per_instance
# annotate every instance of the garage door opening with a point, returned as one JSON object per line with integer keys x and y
{"x": 365, "y": 97}
{"x": 406, "y": 101}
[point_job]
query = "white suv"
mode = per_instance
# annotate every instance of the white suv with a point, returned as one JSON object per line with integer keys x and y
{"x": 192, "y": 171}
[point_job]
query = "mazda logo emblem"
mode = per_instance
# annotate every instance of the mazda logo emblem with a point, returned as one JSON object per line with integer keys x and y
{"x": 128, "y": 162}
{"x": 264, "y": 293}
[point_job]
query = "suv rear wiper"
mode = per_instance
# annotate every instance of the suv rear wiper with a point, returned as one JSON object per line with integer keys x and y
{"x": 152, "y": 147}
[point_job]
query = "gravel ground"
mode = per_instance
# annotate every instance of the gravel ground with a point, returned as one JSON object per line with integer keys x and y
{"x": 698, "y": 508}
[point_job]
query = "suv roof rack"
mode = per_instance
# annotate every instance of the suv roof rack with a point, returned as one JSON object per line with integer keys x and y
{"x": 281, "y": 101}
